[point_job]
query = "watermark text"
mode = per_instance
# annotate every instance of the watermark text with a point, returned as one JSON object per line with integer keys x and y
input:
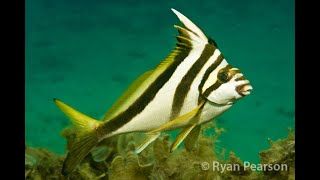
{"x": 217, "y": 166}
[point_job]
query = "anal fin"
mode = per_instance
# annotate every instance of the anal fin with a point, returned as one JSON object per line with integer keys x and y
{"x": 192, "y": 138}
{"x": 182, "y": 134}
{"x": 149, "y": 139}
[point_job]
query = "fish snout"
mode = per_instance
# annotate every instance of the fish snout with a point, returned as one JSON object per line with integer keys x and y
{"x": 244, "y": 89}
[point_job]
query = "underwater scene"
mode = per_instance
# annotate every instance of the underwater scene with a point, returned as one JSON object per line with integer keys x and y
{"x": 229, "y": 64}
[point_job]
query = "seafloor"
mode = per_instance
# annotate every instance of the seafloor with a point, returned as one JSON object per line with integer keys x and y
{"x": 87, "y": 52}
{"x": 114, "y": 159}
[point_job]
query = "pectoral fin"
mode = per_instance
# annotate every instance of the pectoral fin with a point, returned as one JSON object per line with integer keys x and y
{"x": 182, "y": 134}
{"x": 192, "y": 138}
{"x": 149, "y": 139}
{"x": 180, "y": 120}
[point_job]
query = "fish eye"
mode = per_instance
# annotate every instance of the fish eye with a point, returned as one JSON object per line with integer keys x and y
{"x": 224, "y": 77}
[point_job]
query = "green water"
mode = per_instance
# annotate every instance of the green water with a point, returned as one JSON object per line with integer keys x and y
{"x": 87, "y": 52}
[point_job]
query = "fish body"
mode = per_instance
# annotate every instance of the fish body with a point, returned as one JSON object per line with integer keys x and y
{"x": 193, "y": 85}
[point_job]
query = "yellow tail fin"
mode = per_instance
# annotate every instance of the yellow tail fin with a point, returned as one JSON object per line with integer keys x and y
{"x": 86, "y": 136}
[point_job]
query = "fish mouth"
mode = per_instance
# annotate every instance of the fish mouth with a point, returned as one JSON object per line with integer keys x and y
{"x": 244, "y": 89}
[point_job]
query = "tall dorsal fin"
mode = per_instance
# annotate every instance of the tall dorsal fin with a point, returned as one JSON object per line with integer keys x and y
{"x": 189, "y": 37}
{"x": 191, "y": 31}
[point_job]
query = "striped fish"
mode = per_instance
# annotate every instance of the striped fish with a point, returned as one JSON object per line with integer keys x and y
{"x": 193, "y": 85}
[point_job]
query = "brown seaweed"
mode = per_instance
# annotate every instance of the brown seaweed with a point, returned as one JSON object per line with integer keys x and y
{"x": 113, "y": 158}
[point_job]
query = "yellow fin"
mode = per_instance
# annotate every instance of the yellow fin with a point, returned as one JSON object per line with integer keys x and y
{"x": 192, "y": 138}
{"x": 86, "y": 136}
{"x": 149, "y": 139}
{"x": 80, "y": 149}
{"x": 178, "y": 120}
{"x": 82, "y": 122}
{"x": 182, "y": 134}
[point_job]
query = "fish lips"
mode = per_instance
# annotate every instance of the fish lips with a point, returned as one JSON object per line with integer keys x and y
{"x": 244, "y": 89}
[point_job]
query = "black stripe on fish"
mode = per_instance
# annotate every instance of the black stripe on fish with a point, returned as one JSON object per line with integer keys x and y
{"x": 213, "y": 66}
{"x": 148, "y": 95}
{"x": 211, "y": 41}
{"x": 217, "y": 84}
{"x": 185, "y": 84}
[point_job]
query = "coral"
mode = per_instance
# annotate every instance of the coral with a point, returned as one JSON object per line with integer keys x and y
{"x": 113, "y": 158}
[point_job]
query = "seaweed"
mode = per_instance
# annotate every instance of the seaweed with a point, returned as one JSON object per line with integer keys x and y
{"x": 42, "y": 164}
{"x": 114, "y": 158}
{"x": 281, "y": 152}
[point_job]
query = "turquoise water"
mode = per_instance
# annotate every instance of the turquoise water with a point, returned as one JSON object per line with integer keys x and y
{"x": 86, "y": 54}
